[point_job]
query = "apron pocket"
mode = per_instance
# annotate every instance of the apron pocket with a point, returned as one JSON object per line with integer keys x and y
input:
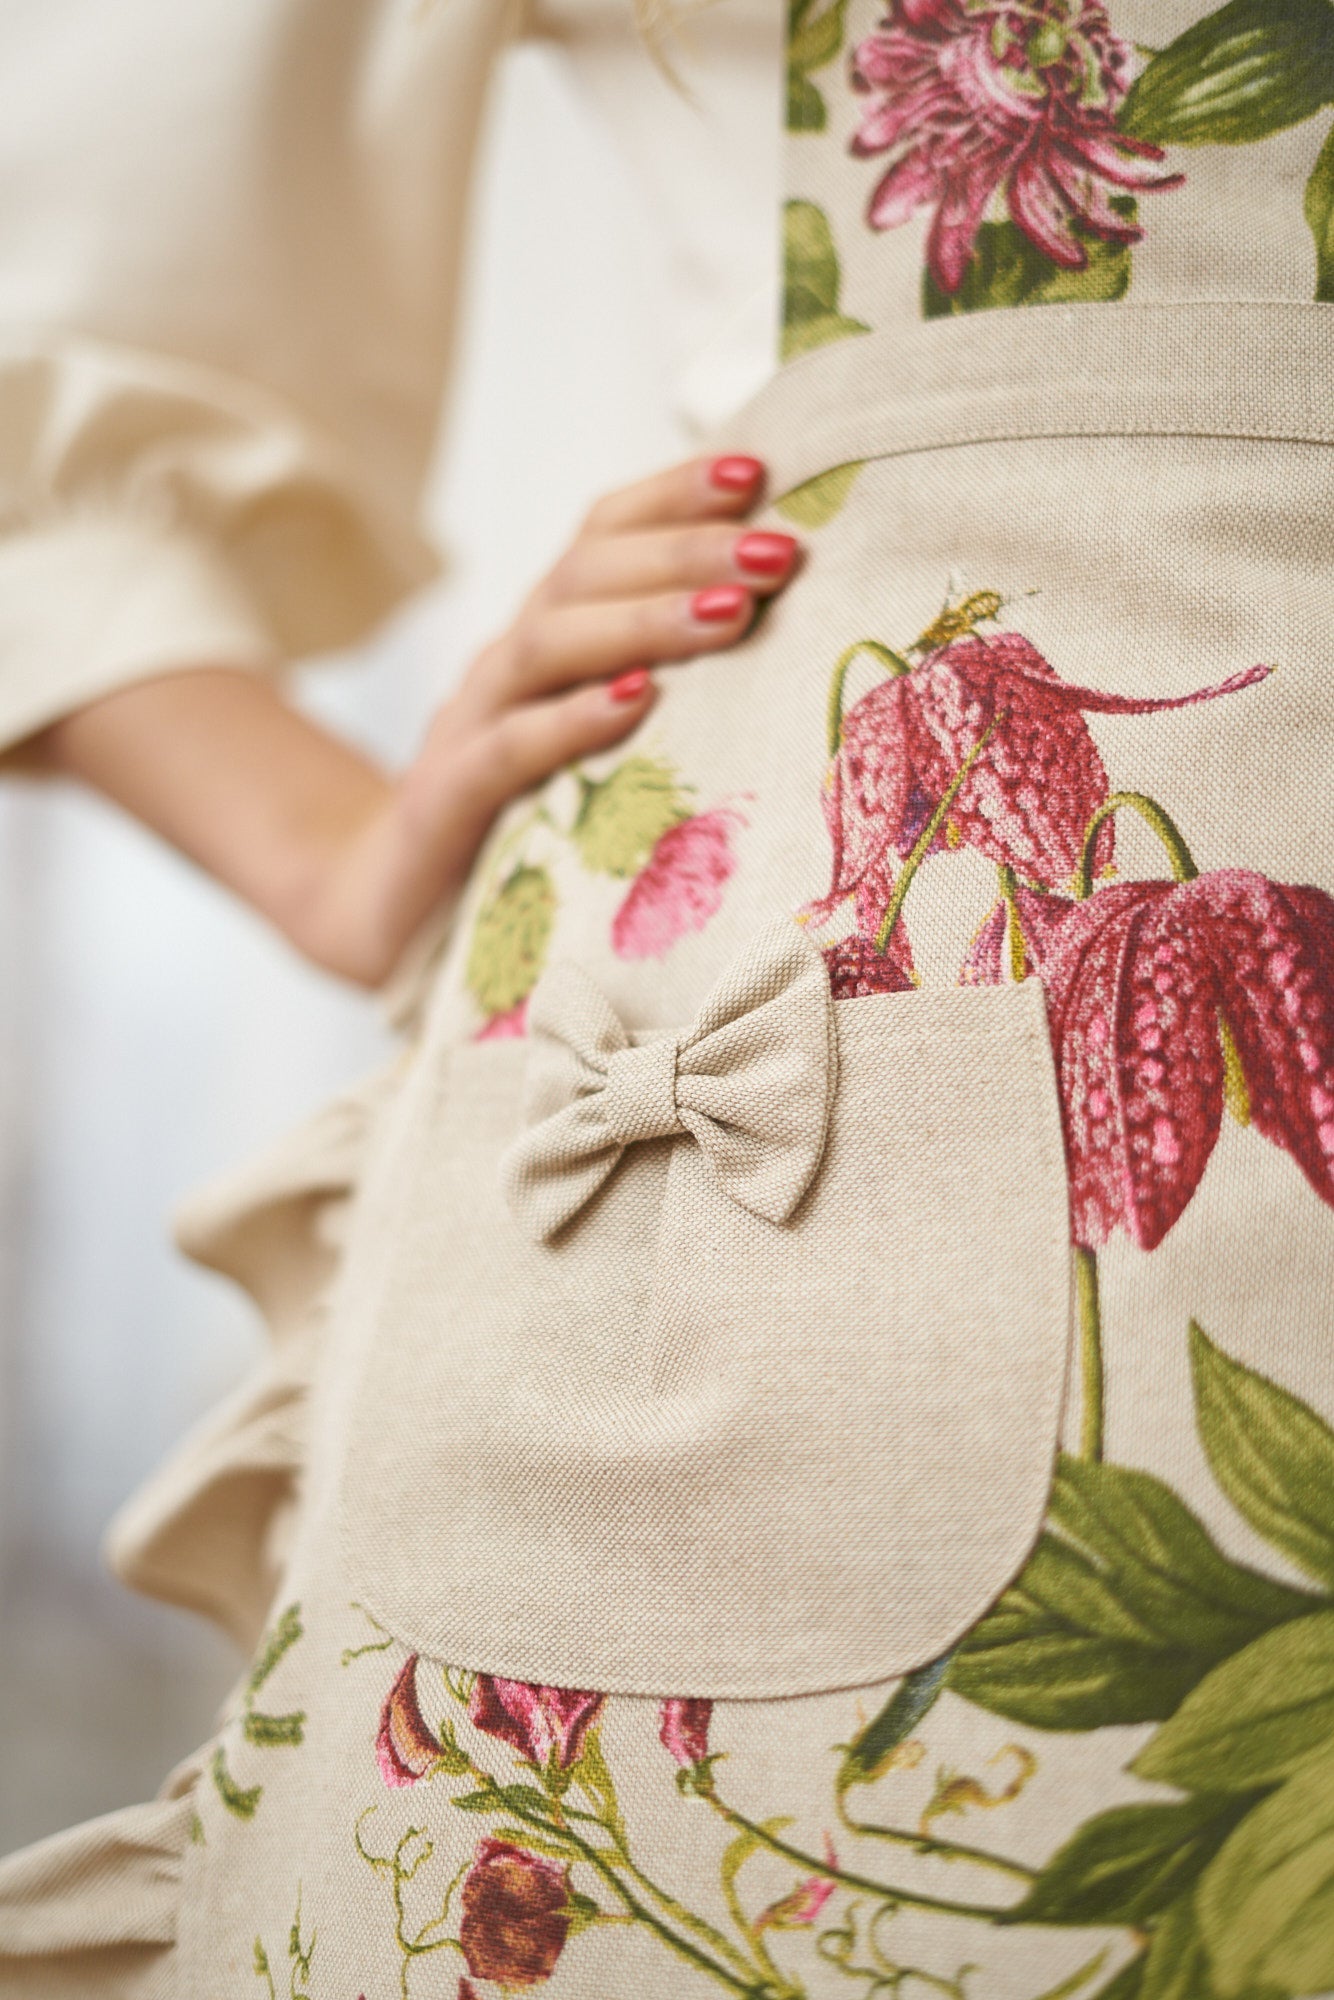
{"x": 660, "y": 1441}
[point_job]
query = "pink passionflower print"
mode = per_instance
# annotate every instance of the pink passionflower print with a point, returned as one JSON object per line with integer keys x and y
{"x": 516, "y": 1914}
{"x": 405, "y": 1749}
{"x": 680, "y": 886}
{"x": 801, "y": 1907}
{"x": 1027, "y": 800}
{"x": 1143, "y": 980}
{"x": 538, "y": 1722}
{"x": 683, "y": 1729}
{"x": 512, "y": 1024}
{"x": 970, "y": 98}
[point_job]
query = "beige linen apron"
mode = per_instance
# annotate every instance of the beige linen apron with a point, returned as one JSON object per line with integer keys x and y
{"x": 819, "y": 1476}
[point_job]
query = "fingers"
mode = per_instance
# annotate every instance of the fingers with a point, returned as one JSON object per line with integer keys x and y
{"x": 699, "y": 490}
{"x": 570, "y": 643}
{"x": 656, "y": 560}
{"x": 662, "y": 570}
{"x": 527, "y": 743}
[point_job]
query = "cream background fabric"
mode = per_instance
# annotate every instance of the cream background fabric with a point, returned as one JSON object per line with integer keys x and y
{"x": 1014, "y": 516}
{"x": 616, "y": 1439}
{"x": 752, "y": 1080}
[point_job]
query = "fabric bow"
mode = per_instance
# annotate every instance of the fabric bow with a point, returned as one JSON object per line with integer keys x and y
{"x": 751, "y": 1082}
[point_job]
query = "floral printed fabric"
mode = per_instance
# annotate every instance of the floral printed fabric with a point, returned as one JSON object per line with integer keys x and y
{"x": 512, "y": 1836}
{"x": 1041, "y": 142}
{"x": 1117, "y": 1785}
{"x": 634, "y": 824}
{"x": 970, "y": 102}
{"x": 541, "y": 1826}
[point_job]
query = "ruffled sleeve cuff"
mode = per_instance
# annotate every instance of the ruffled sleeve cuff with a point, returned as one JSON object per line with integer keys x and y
{"x": 157, "y": 515}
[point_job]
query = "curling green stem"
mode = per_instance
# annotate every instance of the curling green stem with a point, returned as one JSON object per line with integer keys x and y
{"x": 892, "y": 662}
{"x": 1090, "y": 1353}
{"x": 922, "y": 845}
{"x": 886, "y": 1892}
{"x": 1149, "y": 810}
{"x": 939, "y": 1850}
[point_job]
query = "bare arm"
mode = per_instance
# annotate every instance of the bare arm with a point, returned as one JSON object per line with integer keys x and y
{"x": 347, "y": 860}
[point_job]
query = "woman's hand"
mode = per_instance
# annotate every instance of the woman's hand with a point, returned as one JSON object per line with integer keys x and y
{"x": 348, "y": 862}
{"x": 657, "y": 572}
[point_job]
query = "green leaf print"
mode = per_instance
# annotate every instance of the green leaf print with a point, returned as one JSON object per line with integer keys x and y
{"x": 270, "y": 1732}
{"x": 1271, "y": 1454}
{"x": 1175, "y": 1967}
{"x": 1127, "y": 1985}
{"x": 1266, "y": 1903}
{"x": 811, "y": 282}
{"x": 622, "y": 817}
{"x": 817, "y": 500}
{"x": 1124, "y": 1606}
{"x": 1130, "y": 1864}
{"x": 814, "y": 38}
{"x": 260, "y": 1730}
{"x": 1255, "y": 1718}
{"x": 1251, "y": 68}
{"x": 274, "y": 1647}
{"x": 241, "y": 1802}
{"x": 805, "y": 106}
{"x": 1319, "y": 208}
{"x": 872, "y": 1751}
{"x": 510, "y": 939}
{"x": 1008, "y": 269}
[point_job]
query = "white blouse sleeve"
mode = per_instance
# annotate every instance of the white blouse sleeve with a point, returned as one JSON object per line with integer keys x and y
{"x": 229, "y": 240}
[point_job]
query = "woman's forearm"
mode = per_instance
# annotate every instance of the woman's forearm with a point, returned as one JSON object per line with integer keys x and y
{"x": 219, "y": 765}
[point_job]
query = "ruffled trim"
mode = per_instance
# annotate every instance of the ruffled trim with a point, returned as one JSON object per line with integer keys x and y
{"x": 92, "y": 1914}
{"x": 211, "y": 1529}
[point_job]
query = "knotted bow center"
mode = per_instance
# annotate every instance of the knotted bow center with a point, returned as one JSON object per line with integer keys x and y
{"x": 639, "y": 1097}
{"x": 751, "y": 1081}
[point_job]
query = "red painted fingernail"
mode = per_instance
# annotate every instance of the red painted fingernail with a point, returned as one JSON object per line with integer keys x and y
{"x": 628, "y": 686}
{"x": 765, "y": 555}
{"x": 736, "y": 474}
{"x": 720, "y": 605}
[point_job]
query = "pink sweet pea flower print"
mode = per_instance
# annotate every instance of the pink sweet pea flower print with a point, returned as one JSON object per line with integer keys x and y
{"x": 1142, "y": 980}
{"x": 537, "y": 1721}
{"x": 683, "y": 1729}
{"x": 405, "y": 1749}
{"x": 801, "y": 1907}
{"x": 1027, "y": 800}
{"x": 516, "y": 1915}
{"x": 972, "y": 97}
{"x": 680, "y": 886}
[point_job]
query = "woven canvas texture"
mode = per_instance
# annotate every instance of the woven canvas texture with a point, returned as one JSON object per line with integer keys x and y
{"x": 810, "y": 1388}
{"x": 651, "y": 1407}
